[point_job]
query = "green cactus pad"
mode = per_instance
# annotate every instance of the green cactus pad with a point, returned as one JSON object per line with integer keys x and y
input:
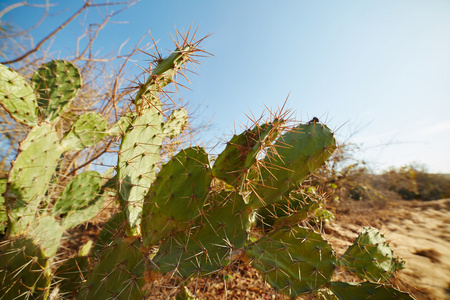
{"x": 121, "y": 126}
{"x": 81, "y": 199}
{"x": 175, "y": 123}
{"x": 17, "y": 97}
{"x": 76, "y": 217}
{"x": 173, "y": 61}
{"x": 57, "y": 83}
{"x": 115, "y": 227}
{"x": 46, "y": 232}
{"x": 294, "y": 261}
{"x": 367, "y": 290}
{"x": 119, "y": 274}
{"x": 297, "y": 154}
{"x": 177, "y": 195}
{"x": 81, "y": 191}
{"x": 211, "y": 242}
{"x": 88, "y": 130}
{"x": 287, "y": 212}
{"x": 136, "y": 168}
{"x": 242, "y": 151}
{"x": 24, "y": 270}
{"x": 370, "y": 256}
{"x": 70, "y": 275}
{"x": 30, "y": 175}
{"x": 161, "y": 76}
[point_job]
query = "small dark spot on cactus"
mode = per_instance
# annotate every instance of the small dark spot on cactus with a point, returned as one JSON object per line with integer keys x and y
{"x": 314, "y": 120}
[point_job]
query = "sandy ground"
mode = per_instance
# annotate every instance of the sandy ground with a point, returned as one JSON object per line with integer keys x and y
{"x": 418, "y": 232}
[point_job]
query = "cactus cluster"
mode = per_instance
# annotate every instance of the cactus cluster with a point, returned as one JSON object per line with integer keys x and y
{"x": 192, "y": 216}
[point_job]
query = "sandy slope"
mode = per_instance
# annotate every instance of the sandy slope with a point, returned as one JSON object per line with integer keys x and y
{"x": 419, "y": 232}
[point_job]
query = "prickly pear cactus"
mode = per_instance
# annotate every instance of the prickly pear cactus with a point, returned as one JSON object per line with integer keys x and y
{"x": 136, "y": 168}
{"x": 30, "y": 176}
{"x": 367, "y": 290}
{"x": 81, "y": 191}
{"x": 210, "y": 243}
{"x": 121, "y": 126}
{"x": 295, "y": 155}
{"x": 141, "y": 145}
{"x": 118, "y": 275}
{"x": 3, "y": 216}
{"x": 177, "y": 196}
{"x": 175, "y": 123}
{"x": 370, "y": 256}
{"x": 287, "y": 212}
{"x": 24, "y": 270}
{"x": 182, "y": 219}
{"x": 57, "y": 84}
{"x": 81, "y": 200}
{"x": 88, "y": 130}
{"x": 293, "y": 260}
{"x": 47, "y": 232}
{"x": 241, "y": 152}
{"x": 70, "y": 275}
{"x": 17, "y": 97}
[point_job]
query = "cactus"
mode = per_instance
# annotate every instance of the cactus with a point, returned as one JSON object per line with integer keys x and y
{"x": 370, "y": 256}
{"x": 24, "y": 269}
{"x": 82, "y": 215}
{"x": 136, "y": 167}
{"x": 81, "y": 199}
{"x": 141, "y": 145}
{"x": 287, "y": 212}
{"x": 295, "y": 156}
{"x": 34, "y": 230}
{"x": 183, "y": 218}
{"x": 88, "y": 130}
{"x": 162, "y": 75}
{"x": 17, "y": 97}
{"x": 118, "y": 275}
{"x": 242, "y": 150}
{"x": 30, "y": 176}
{"x": 121, "y": 126}
{"x": 57, "y": 84}
{"x": 177, "y": 195}
{"x": 70, "y": 275}
{"x": 3, "y": 216}
{"x": 366, "y": 290}
{"x": 176, "y": 123}
{"x": 293, "y": 260}
{"x": 210, "y": 243}
{"x": 115, "y": 227}
{"x": 80, "y": 192}
{"x": 47, "y": 232}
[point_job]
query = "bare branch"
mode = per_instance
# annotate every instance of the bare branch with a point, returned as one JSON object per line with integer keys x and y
{"x": 49, "y": 36}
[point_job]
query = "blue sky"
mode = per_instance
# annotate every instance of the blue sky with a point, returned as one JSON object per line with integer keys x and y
{"x": 378, "y": 72}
